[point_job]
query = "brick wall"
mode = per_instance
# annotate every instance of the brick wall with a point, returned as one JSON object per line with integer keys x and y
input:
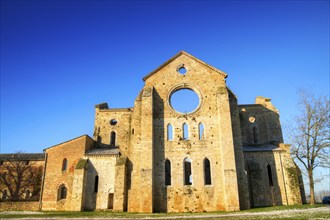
{"x": 19, "y": 206}
{"x": 72, "y": 150}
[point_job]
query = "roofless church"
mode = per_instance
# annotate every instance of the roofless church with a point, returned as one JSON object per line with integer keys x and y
{"x": 154, "y": 157}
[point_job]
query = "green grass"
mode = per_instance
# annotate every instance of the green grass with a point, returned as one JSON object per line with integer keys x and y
{"x": 284, "y": 207}
{"x": 109, "y": 214}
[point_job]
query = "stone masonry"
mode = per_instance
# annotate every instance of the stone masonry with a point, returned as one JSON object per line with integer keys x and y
{"x": 154, "y": 158}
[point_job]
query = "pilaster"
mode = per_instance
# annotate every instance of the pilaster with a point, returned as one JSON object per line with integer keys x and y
{"x": 231, "y": 198}
{"x": 146, "y": 160}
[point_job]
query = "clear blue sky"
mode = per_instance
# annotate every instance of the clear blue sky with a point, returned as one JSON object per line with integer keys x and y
{"x": 60, "y": 58}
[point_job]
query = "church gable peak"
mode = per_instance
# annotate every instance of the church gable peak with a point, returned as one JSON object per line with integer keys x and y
{"x": 188, "y": 55}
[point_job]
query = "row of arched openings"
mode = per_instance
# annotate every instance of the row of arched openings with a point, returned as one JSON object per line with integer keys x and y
{"x": 185, "y": 131}
{"x": 187, "y": 172}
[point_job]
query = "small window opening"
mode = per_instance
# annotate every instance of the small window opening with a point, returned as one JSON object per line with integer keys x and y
{"x": 62, "y": 192}
{"x": 187, "y": 172}
{"x": 255, "y": 137}
{"x": 64, "y": 164}
{"x": 270, "y": 177}
{"x": 113, "y": 138}
{"x": 185, "y": 131}
{"x": 113, "y": 122}
{"x": 201, "y": 131}
{"x": 133, "y": 131}
{"x": 182, "y": 70}
{"x": 167, "y": 172}
{"x": 169, "y": 132}
{"x": 207, "y": 172}
{"x": 96, "y": 184}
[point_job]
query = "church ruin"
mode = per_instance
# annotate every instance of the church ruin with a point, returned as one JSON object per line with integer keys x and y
{"x": 153, "y": 157}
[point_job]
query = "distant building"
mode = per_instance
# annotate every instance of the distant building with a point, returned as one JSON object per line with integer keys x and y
{"x": 155, "y": 157}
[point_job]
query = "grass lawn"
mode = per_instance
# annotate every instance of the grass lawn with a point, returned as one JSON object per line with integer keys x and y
{"x": 282, "y": 212}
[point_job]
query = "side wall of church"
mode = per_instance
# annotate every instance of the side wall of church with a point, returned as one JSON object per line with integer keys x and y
{"x": 264, "y": 178}
{"x": 100, "y": 185}
{"x": 273, "y": 178}
{"x": 55, "y": 177}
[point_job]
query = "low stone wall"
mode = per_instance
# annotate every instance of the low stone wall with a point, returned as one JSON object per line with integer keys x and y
{"x": 19, "y": 206}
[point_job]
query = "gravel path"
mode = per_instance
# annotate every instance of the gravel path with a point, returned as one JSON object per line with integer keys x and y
{"x": 269, "y": 215}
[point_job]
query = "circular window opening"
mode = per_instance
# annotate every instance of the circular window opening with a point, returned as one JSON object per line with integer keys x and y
{"x": 184, "y": 100}
{"x": 182, "y": 70}
{"x": 113, "y": 122}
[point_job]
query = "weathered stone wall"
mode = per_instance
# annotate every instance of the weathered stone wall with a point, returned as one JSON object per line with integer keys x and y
{"x": 288, "y": 177}
{"x": 102, "y": 166}
{"x": 19, "y": 206}
{"x": 284, "y": 189}
{"x": 133, "y": 170}
{"x": 120, "y": 194}
{"x": 217, "y": 145}
{"x": 78, "y": 189}
{"x": 72, "y": 150}
{"x": 113, "y": 120}
{"x": 243, "y": 191}
{"x": 262, "y": 193}
{"x": 260, "y": 123}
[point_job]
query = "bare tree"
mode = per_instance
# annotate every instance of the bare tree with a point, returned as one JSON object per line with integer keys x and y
{"x": 19, "y": 177}
{"x": 310, "y": 136}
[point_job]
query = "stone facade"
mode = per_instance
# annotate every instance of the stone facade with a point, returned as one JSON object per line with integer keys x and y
{"x": 154, "y": 158}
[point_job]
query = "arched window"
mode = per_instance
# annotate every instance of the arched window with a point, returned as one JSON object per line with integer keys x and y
{"x": 270, "y": 177}
{"x": 169, "y": 132}
{"x": 113, "y": 138}
{"x": 255, "y": 135}
{"x": 64, "y": 164}
{"x": 201, "y": 131}
{"x": 96, "y": 184}
{"x": 27, "y": 194}
{"x": 167, "y": 172}
{"x": 187, "y": 172}
{"x": 62, "y": 192}
{"x": 207, "y": 172}
{"x": 185, "y": 130}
